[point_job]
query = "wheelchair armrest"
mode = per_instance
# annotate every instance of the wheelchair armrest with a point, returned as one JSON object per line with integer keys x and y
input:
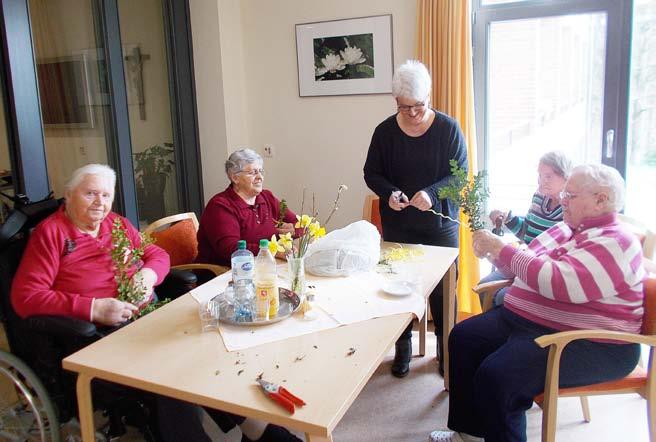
{"x": 180, "y": 276}
{"x": 177, "y": 283}
{"x": 61, "y": 326}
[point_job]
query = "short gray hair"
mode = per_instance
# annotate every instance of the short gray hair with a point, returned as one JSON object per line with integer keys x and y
{"x": 604, "y": 178}
{"x": 411, "y": 80}
{"x": 101, "y": 170}
{"x": 239, "y": 159}
{"x": 558, "y": 161}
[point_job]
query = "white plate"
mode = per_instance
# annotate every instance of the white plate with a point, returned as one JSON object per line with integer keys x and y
{"x": 397, "y": 288}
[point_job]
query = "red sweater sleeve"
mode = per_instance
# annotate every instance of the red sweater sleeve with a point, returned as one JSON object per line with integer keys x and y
{"x": 155, "y": 258}
{"x": 223, "y": 230}
{"x": 32, "y": 293}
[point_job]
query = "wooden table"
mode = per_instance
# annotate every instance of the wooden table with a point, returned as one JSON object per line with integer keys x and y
{"x": 166, "y": 353}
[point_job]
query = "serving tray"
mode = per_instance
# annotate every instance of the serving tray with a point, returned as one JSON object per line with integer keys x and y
{"x": 289, "y": 303}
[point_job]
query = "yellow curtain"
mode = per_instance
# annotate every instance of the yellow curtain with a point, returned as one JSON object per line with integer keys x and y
{"x": 444, "y": 46}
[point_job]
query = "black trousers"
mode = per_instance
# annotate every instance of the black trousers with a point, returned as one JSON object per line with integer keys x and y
{"x": 445, "y": 237}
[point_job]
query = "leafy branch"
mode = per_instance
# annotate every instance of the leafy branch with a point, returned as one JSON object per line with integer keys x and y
{"x": 125, "y": 258}
{"x": 469, "y": 195}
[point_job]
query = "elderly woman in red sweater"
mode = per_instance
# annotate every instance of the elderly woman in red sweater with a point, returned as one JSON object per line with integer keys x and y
{"x": 67, "y": 267}
{"x": 245, "y": 210}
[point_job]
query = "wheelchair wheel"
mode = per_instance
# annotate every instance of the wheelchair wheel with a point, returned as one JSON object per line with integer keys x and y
{"x": 33, "y": 417}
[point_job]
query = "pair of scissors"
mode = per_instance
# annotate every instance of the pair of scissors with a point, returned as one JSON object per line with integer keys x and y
{"x": 281, "y": 395}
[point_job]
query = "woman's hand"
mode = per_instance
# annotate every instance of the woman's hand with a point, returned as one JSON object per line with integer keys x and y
{"x": 146, "y": 278}
{"x": 486, "y": 244}
{"x": 496, "y": 214}
{"x": 286, "y": 228}
{"x": 398, "y": 201}
{"x": 111, "y": 311}
{"x": 421, "y": 201}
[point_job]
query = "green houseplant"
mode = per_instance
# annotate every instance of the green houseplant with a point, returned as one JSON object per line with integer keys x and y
{"x": 152, "y": 167}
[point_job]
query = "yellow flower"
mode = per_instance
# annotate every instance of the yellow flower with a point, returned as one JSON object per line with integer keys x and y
{"x": 286, "y": 241}
{"x": 303, "y": 221}
{"x": 275, "y": 246}
{"x": 316, "y": 230}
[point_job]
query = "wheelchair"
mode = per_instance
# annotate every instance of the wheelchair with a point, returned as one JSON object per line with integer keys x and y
{"x": 45, "y": 393}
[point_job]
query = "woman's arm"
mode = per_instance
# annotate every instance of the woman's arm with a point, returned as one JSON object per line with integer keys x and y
{"x": 32, "y": 290}
{"x": 374, "y": 171}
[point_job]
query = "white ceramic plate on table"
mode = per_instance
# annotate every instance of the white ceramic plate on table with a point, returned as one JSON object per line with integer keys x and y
{"x": 397, "y": 288}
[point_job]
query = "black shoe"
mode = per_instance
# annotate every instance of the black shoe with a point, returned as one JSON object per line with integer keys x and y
{"x": 401, "y": 365}
{"x": 274, "y": 433}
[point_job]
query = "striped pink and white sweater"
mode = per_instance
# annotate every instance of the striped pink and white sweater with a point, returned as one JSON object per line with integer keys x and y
{"x": 588, "y": 278}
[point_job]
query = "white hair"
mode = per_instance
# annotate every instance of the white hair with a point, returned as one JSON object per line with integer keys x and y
{"x": 239, "y": 159}
{"x": 100, "y": 170}
{"x": 558, "y": 161}
{"x": 411, "y": 80}
{"x": 604, "y": 178}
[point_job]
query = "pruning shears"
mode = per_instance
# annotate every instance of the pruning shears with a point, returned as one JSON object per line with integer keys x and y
{"x": 281, "y": 395}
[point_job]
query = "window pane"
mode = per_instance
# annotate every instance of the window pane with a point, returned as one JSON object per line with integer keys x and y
{"x": 6, "y": 180}
{"x": 545, "y": 92}
{"x": 72, "y": 86}
{"x": 641, "y": 161}
{"x": 149, "y": 107}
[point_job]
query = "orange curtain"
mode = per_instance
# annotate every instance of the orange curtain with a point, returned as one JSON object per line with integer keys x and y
{"x": 444, "y": 46}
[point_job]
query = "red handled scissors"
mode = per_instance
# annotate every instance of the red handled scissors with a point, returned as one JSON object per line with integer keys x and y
{"x": 281, "y": 395}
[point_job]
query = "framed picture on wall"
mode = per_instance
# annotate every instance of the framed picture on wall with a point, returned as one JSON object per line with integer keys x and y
{"x": 345, "y": 57}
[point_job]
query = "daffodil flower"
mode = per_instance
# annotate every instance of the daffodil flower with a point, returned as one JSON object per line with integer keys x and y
{"x": 286, "y": 241}
{"x": 275, "y": 246}
{"x": 303, "y": 221}
{"x": 316, "y": 231}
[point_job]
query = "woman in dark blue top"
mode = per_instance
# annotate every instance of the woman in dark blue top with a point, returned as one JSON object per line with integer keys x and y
{"x": 407, "y": 164}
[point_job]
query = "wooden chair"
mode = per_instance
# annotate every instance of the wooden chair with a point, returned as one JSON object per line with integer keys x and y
{"x": 371, "y": 213}
{"x": 177, "y": 235}
{"x": 640, "y": 381}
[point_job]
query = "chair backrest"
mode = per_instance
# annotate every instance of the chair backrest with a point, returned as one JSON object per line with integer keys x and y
{"x": 371, "y": 211}
{"x": 177, "y": 235}
{"x": 645, "y": 235}
{"x": 649, "y": 303}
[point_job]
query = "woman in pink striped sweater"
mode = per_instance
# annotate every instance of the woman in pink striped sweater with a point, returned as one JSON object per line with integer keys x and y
{"x": 585, "y": 272}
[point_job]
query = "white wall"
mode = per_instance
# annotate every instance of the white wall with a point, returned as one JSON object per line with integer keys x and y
{"x": 320, "y": 142}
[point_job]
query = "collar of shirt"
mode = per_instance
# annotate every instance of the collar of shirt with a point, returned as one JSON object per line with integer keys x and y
{"x": 597, "y": 221}
{"x": 239, "y": 202}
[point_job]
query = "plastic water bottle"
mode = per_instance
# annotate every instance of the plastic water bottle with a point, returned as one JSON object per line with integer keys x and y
{"x": 266, "y": 287}
{"x": 242, "y": 263}
{"x": 244, "y": 301}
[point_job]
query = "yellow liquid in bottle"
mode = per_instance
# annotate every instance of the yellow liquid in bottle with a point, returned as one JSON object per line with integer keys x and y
{"x": 266, "y": 292}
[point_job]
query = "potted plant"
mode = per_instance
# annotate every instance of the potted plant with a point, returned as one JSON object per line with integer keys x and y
{"x": 152, "y": 167}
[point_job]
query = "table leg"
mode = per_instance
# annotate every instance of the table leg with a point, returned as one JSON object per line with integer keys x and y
{"x": 448, "y": 317}
{"x": 423, "y": 324}
{"x": 316, "y": 438}
{"x": 85, "y": 407}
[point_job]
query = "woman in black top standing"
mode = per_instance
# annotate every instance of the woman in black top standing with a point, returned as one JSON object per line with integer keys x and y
{"x": 407, "y": 164}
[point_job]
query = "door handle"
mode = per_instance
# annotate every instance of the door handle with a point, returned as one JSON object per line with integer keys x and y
{"x": 610, "y": 143}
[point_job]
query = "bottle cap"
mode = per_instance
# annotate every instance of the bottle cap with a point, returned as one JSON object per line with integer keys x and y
{"x": 264, "y": 243}
{"x": 241, "y": 244}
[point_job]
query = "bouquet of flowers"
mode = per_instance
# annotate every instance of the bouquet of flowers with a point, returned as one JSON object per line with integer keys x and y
{"x": 125, "y": 258}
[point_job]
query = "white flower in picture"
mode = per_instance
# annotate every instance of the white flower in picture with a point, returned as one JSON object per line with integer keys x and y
{"x": 352, "y": 55}
{"x": 331, "y": 63}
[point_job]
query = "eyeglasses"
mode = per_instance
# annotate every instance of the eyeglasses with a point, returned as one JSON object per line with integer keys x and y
{"x": 570, "y": 196}
{"x": 252, "y": 173}
{"x": 417, "y": 107}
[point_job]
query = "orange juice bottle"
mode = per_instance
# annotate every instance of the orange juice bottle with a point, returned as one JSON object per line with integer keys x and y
{"x": 266, "y": 287}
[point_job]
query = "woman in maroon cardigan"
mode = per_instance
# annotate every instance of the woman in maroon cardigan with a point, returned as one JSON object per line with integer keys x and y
{"x": 243, "y": 211}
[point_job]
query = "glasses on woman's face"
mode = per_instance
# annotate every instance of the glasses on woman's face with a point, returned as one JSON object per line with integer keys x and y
{"x": 571, "y": 196}
{"x": 417, "y": 107}
{"x": 252, "y": 173}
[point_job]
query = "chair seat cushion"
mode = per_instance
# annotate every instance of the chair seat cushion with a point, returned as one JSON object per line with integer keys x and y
{"x": 634, "y": 381}
{"x": 179, "y": 241}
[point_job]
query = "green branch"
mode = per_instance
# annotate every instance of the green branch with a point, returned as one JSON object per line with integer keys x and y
{"x": 469, "y": 195}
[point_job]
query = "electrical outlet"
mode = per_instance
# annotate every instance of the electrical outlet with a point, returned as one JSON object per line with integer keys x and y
{"x": 269, "y": 150}
{"x": 83, "y": 151}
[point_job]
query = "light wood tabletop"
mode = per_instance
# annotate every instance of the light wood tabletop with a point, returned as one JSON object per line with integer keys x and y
{"x": 166, "y": 353}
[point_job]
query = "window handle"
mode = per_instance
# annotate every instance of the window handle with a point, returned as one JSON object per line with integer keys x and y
{"x": 610, "y": 143}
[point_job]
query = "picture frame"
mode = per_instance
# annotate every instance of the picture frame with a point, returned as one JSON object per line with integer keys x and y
{"x": 345, "y": 57}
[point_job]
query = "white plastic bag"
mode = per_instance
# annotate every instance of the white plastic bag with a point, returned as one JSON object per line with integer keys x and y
{"x": 355, "y": 248}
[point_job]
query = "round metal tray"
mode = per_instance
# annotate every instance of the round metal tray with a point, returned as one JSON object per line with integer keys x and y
{"x": 289, "y": 303}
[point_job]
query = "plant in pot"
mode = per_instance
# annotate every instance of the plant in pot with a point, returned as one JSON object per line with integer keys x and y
{"x": 152, "y": 167}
